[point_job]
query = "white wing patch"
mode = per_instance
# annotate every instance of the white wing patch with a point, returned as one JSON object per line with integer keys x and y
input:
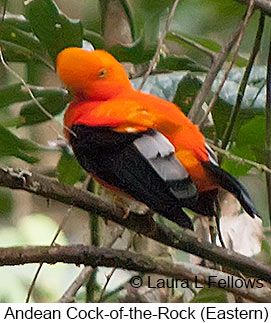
{"x": 159, "y": 152}
{"x": 211, "y": 155}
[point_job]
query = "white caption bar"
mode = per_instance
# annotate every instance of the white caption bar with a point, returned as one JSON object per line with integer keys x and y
{"x": 109, "y": 312}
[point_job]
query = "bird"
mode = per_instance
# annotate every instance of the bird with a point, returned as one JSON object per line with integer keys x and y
{"x": 139, "y": 144}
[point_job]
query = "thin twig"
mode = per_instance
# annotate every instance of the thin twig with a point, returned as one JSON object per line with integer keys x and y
{"x": 108, "y": 277}
{"x": 241, "y": 91}
{"x": 264, "y": 5}
{"x": 160, "y": 44}
{"x": 118, "y": 289}
{"x": 35, "y": 100}
{"x": 27, "y": 87}
{"x": 61, "y": 226}
{"x": 94, "y": 228}
{"x": 234, "y": 56}
{"x": 211, "y": 75}
{"x": 257, "y": 94}
{"x": 192, "y": 43}
{"x": 260, "y": 167}
{"x": 69, "y": 295}
{"x": 268, "y": 129}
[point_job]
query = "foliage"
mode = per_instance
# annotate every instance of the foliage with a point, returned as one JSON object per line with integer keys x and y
{"x": 33, "y": 39}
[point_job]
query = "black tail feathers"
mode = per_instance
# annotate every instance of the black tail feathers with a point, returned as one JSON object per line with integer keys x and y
{"x": 231, "y": 184}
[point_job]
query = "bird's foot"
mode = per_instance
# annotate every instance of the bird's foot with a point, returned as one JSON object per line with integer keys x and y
{"x": 123, "y": 203}
{"x": 126, "y": 212}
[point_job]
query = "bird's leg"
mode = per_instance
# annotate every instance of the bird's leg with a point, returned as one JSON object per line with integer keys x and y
{"x": 212, "y": 228}
{"x": 123, "y": 202}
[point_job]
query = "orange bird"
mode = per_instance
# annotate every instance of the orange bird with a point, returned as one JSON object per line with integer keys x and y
{"x": 138, "y": 143}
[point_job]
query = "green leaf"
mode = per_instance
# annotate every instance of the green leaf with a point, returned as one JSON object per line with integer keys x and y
{"x": 19, "y": 43}
{"x": 236, "y": 168}
{"x": 15, "y": 35}
{"x": 186, "y": 92}
{"x": 210, "y": 295}
{"x": 180, "y": 38}
{"x": 18, "y": 21}
{"x": 11, "y": 145}
{"x": 208, "y": 44}
{"x": 12, "y": 93}
{"x": 68, "y": 169}
{"x": 94, "y": 38}
{"x": 143, "y": 47}
{"x": 17, "y": 53}
{"x": 265, "y": 255}
{"x": 17, "y": 93}
{"x": 53, "y": 101}
{"x": 174, "y": 63}
{"x": 151, "y": 6}
{"x": 221, "y": 114}
{"x": 136, "y": 53}
{"x": 6, "y": 202}
{"x": 252, "y": 136}
{"x": 128, "y": 13}
{"x": 253, "y": 102}
{"x": 252, "y": 133}
{"x": 55, "y": 30}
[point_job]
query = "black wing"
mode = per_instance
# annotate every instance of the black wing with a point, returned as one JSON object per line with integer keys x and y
{"x": 232, "y": 185}
{"x": 141, "y": 164}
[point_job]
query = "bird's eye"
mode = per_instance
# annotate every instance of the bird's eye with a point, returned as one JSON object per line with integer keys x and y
{"x": 102, "y": 74}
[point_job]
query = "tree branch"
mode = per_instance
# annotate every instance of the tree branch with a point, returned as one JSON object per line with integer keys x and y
{"x": 211, "y": 75}
{"x": 264, "y": 5}
{"x": 242, "y": 87}
{"x": 107, "y": 257}
{"x": 192, "y": 43}
{"x": 160, "y": 44}
{"x": 182, "y": 240}
{"x": 234, "y": 56}
{"x": 69, "y": 294}
{"x": 227, "y": 154}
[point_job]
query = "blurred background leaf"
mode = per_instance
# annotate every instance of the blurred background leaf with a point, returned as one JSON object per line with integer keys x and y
{"x": 68, "y": 169}
{"x": 210, "y": 295}
{"x": 11, "y": 145}
{"x": 55, "y": 30}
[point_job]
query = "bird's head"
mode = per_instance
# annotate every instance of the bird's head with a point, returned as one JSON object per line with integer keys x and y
{"x": 91, "y": 74}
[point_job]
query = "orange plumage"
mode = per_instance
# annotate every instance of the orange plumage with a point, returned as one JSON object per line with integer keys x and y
{"x": 104, "y": 97}
{"x": 111, "y": 101}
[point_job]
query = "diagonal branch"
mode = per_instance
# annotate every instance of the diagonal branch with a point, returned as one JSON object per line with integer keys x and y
{"x": 215, "y": 68}
{"x": 182, "y": 240}
{"x": 69, "y": 294}
{"x": 264, "y": 5}
{"x": 234, "y": 56}
{"x": 242, "y": 161}
{"x": 160, "y": 44}
{"x": 107, "y": 257}
{"x": 242, "y": 87}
